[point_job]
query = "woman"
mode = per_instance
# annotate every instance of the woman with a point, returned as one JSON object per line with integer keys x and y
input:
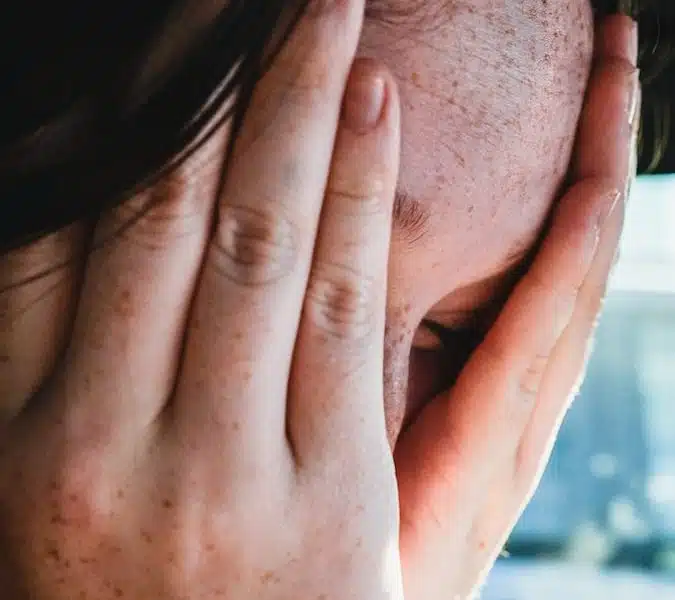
{"x": 192, "y": 380}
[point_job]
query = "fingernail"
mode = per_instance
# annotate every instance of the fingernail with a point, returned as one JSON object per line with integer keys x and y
{"x": 634, "y": 99}
{"x": 633, "y": 148}
{"x": 364, "y": 98}
{"x": 634, "y": 43}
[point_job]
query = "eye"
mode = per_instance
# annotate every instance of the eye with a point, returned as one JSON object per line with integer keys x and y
{"x": 452, "y": 340}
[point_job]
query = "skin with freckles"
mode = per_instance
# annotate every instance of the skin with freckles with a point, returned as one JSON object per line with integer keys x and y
{"x": 215, "y": 424}
{"x": 482, "y": 161}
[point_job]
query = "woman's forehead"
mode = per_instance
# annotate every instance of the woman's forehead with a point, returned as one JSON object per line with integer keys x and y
{"x": 488, "y": 128}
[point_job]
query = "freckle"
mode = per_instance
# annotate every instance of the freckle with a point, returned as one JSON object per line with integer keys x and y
{"x": 470, "y": 209}
{"x": 239, "y": 336}
{"x": 146, "y": 537}
{"x": 118, "y": 592}
{"x": 54, "y": 554}
{"x": 236, "y": 426}
{"x": 120, "y": 494}
{"x": 210, "y": 547}
{"x": 166, "y": 503}
{"x": 269, "y": 577}
{"x": 415, "y": 78}
{"x": 124, "y": 303}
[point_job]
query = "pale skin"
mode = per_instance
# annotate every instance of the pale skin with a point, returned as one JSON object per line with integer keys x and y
{"x": 216, "y": 426}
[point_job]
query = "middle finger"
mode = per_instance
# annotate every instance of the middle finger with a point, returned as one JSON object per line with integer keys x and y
{"x": 245, "y": 318}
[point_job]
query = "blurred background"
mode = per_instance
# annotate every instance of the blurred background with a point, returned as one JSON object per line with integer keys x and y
{"x": 602, "y": 524}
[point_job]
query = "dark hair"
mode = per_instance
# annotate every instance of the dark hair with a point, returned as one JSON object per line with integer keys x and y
{"x": 87, "y": 120}
{"x": 656, "y": 19}
{"x": 79, "y": 91}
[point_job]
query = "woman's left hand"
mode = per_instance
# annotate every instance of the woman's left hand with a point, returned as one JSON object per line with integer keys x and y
{"x": 470, "y": 463}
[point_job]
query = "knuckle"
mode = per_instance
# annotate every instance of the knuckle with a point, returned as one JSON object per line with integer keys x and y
{"x": 253, "y": 246}
{"x": 175, "y": 206}
{"x": 341, "y": 302}
{"x": 154, "y": 219}
{"x": 366, "y": 199}
{"x": 533, "y": 376}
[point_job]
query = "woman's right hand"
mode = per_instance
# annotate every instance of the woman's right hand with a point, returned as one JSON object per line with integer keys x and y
{"x": 214, "y": 427}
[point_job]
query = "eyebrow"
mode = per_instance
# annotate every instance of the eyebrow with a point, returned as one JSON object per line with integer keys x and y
{"x": 410, "y": 217}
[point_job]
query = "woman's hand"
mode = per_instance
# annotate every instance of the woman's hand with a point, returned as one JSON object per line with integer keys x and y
{"x": 215, "y": 427}
{"x": 470, "y": 463}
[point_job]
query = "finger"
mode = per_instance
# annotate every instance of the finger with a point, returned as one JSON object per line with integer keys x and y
{"x": 243, "y": 327}
{"x": 617, "y": 39}
{"x": 38, "y": 293}
{"x": 566, "y": 367}
{"x": 612, "y": 107}
{"x": 512, "y": 488}
{"x": 335, "y": 405}
{"x": 139, "y": 279}
{"x": 562, "y": 374}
